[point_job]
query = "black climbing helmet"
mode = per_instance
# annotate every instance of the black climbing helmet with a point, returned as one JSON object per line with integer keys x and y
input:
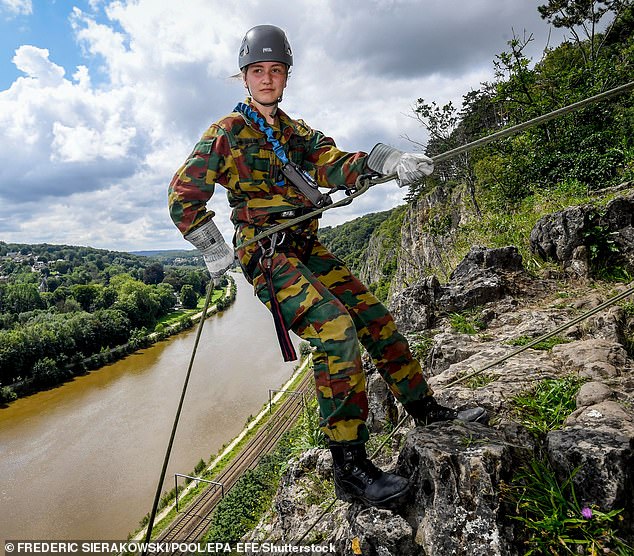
{"x": 265, "y": 43}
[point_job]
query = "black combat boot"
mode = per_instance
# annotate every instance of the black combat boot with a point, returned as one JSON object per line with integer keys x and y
{"x": 358, "y": 479}
{"x": 427, "y": 410}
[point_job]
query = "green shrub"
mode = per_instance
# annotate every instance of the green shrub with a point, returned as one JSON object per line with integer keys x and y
{"x": 466, "y": 322}
{"x": 7, "y": 394}
{"x": 241, "y": 508}
{"x": 545, "y": 345}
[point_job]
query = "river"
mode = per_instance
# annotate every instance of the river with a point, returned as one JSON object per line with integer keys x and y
{"x": 82, "y": 461}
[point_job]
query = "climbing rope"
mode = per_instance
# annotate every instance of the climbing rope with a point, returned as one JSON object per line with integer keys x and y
{"x": 546, "y": 336}
{"x": 157, "y": 496}
{"x": 363, "y": 183}
{"x": 366, "y": 181}
{"x": 629, "y": 291}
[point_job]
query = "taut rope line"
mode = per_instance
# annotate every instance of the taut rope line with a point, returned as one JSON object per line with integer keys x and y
{"x": 157, "y": 496}
{"x": 366, "y": 181}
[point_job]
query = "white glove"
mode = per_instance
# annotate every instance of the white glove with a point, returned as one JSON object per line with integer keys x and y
{"x": 209, "y": 241}
{"x": 409, "y": 167}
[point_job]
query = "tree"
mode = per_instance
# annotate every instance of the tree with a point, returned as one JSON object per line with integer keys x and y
{"x": 85, "y": 295}
{"x": 153, "y": 274}
{"x": 581, "y": 18}
{"x": 189, "y": 299}
{"x": 136, "y": 299}
{"x": 166, "y": 297}
{"x": 20, "y": 298}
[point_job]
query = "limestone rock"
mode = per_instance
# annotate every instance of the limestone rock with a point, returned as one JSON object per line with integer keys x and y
{"x": 592, "y": 393}
{"x": 592, "y": 358}
{"x": 456, "y": 470}
{"x": 413, "y": 309}
{"x": 382, "y": 533}
{"x": 567, "y": 236}
{"x": 483, "y": 276}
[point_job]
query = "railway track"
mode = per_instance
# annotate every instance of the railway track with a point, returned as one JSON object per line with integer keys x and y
{"x": 191, "y": 525}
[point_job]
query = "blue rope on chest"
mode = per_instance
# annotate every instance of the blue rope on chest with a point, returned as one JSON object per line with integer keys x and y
{"x": 246, "y": 110}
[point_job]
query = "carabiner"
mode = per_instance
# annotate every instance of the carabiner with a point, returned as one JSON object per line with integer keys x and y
{"x": 277, "y": 238}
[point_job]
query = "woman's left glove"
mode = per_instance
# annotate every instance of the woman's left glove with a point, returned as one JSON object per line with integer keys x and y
{"x": 409, "y": 167}
{"x": 209, "y": 241}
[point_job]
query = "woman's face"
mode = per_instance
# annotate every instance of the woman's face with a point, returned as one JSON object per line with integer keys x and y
{"x": 265, "y": 81}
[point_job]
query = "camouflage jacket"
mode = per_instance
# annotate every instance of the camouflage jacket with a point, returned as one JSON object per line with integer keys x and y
{"x": 234, "y": 153}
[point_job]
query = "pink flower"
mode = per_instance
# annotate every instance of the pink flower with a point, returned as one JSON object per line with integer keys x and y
{"x": 586, "y": 512}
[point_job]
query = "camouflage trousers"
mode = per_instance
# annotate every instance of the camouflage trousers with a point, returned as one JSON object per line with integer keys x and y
{"x": 326, "y": 305}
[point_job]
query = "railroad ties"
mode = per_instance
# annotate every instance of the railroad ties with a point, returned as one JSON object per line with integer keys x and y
{"x": 191, "y": 525}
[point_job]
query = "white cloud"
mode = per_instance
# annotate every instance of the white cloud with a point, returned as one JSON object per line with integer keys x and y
{"x": 86, "y": 159}
{"x": 16, "y": 7}
{"x": 34, "y": 62}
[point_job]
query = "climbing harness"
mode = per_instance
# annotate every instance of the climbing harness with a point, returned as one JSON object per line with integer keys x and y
{"x": 307, "y": 187}
{"x": 363, "y": 183}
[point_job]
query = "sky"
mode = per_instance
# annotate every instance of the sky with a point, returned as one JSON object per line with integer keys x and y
{"x": 101, "y": 101}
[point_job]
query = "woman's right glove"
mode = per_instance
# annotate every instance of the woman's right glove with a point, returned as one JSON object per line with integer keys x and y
{"x": 209, "y": 241}
{"x": 409, "y": 167}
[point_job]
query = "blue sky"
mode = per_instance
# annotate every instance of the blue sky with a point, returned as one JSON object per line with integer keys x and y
{"x": 45, "y": 24}
{"x": 102, "y": 100}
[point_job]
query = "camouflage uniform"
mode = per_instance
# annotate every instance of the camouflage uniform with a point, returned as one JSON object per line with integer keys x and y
{"x": 319, "y": 298}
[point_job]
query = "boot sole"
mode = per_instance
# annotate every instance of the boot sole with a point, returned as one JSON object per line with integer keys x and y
{"x": 346, "y": 496}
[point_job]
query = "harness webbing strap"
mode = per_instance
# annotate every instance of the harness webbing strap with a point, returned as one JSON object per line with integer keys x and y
{"x": 283, "y": 337}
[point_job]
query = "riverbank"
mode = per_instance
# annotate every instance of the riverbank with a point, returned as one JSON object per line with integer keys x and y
{"x": 139, "y": 340}
{"x": 119, "y": 419}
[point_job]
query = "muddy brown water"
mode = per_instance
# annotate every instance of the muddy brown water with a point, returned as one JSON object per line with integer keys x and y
{"x": 82, "y": 461}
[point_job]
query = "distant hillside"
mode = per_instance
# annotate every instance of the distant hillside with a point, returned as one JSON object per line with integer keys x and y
{"x": 162, "y": 253}
{"x": 74, "y": 253}
{"x": 349, "y": 241}
{"x": 169, "y": 255}
{"x": 173, "y": 256}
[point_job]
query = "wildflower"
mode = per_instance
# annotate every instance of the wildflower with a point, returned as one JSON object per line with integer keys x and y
{"x": 586, "y": 512}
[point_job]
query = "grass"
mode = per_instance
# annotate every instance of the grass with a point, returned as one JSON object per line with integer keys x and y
{"x": 467, "y": 322}
{"x": 512, "y": 224}
{"x": 545, "y": 345}
{"x": 477, "y": 381}
{"x": 421, "y": 345}
{"x": 554, "y": 521}
{"x": 174, "y": 316}
{"x": 546, "y": 407}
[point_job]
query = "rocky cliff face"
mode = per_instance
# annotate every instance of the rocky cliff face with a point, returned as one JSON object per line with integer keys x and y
{"x": 460, "y": 473}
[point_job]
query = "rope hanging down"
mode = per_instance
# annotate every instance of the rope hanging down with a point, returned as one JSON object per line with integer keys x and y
{"x": 157, "y": 496}
{"x": 363, "y": 184}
